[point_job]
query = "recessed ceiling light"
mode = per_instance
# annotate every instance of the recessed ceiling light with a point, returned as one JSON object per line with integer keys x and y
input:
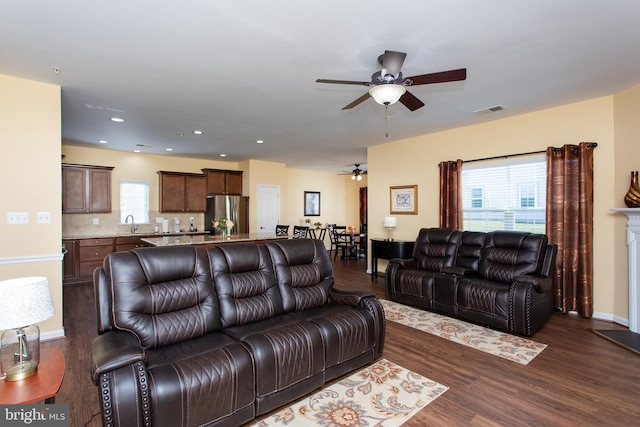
{"x": 223, "y": 155}
{"x": 116, "y": 119}
{"x": 197, "y": 132}
{"x": 169, "y": 149}
{"x": 259, "y": 141}
{"x": 102, "y": 141}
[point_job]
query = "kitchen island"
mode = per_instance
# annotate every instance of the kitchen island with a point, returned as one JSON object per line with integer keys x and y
{"x": 209, "y": 240}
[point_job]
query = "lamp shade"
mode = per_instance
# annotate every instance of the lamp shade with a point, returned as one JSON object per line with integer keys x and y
{"x": 390, "y": 221}
{"x": 387, "y": 94}
{"x": 25, "y": 301}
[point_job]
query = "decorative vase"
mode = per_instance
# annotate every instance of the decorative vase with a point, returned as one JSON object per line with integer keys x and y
{"x": 632, "y": 198}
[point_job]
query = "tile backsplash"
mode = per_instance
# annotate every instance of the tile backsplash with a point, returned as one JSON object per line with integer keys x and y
{"x": 108, "y": 224}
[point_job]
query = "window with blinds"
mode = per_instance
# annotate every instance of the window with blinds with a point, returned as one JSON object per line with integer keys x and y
{"x": 505, "y": 194}
{"x": 134, "y": 200}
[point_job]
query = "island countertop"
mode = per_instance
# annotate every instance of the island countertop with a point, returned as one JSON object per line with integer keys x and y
{"x": 210, "y": 240}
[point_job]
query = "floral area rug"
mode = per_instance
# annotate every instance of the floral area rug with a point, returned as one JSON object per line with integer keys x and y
{"x": 511, "y": 347}
{"x": 382, "y": 394}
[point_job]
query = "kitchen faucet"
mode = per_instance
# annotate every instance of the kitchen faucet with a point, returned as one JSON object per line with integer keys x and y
{"x": 134, "y": 227}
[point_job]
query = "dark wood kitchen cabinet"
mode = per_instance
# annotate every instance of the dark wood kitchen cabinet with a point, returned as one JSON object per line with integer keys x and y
{"x": 86, "y": 189}
{"x": 126, "y": 243}
{"x": 223, "y": 181}
{"x": 182, "y": 192}
{"x": 83, "y": 257}
{"x": 70, "y": 261}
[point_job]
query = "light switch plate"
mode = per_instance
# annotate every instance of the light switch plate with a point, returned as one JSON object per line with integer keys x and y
{"x": 43, "y": 217}
{"x": 17, "y": 217}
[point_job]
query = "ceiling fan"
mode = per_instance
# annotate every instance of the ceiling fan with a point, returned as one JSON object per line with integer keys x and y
{"x": 388, "y": 86}
{"x": 357, "y": 173}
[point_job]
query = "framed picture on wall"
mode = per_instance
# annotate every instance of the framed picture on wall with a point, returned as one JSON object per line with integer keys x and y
{"x": 404, "y": 200}
{"x": 311, "y": 203}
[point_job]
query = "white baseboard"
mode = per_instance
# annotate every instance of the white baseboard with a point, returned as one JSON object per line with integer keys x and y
{"x": 611, "y": 318}
{"x": 52, "y": 335}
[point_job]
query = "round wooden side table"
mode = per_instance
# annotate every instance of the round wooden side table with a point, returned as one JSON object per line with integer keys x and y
{"x": 44, "y": 385}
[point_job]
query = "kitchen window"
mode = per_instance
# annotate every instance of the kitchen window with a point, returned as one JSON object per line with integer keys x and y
{"x": 134, "y": 200}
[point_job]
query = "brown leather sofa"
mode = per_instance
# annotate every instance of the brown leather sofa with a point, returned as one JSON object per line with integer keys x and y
{"x": 500, "y": 279}
{"x": 191, "y": 336}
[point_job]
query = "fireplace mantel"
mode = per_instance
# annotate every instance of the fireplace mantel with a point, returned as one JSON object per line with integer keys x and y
{"x": 633, "y": 241}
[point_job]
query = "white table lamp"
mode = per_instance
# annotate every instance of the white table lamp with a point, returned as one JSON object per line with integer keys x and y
{"x": 23, "y": 302}
{"x": 390, "y": 222}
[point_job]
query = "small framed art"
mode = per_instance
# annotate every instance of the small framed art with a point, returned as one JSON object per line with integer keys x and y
{"x": 404, "y": 200}
{"x": 311, "y": 203}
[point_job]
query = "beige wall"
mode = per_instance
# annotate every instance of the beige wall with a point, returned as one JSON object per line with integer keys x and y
{"x": 626, "y": 159}
{"x": 30, "y": 182}
{"x": 335, "y": 190}
{"x": 131, "y": 166}
{"x": 257, "y": 173}
{"x": 333, "y": 196}
{"x": 414, "y": 161}
{"x": 31, "y": 127}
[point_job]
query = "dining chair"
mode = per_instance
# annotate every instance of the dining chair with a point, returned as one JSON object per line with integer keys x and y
{"x": 300, "y": 231}
{"x": 331, "y": 239}
{"x": 362, "y": 240}
{"x": 282, "y": 230}
{"x": 341, "y": 240}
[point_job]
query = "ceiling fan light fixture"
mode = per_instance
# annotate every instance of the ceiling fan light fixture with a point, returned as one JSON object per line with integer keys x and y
{"x": 387, "y": 94}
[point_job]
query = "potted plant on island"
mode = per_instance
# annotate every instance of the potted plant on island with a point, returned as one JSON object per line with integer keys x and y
{"x": 224, "y": 225}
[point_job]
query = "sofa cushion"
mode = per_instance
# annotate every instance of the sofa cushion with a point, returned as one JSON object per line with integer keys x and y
{"x": 303, "y": 272}
{"x": 289, "y": 356}
{"x": 415, "y": 283}
{"x": 507, "y": 254}
{"x": 213, "y": 383}
{"x": 470, "y": 249}
{"x": 244, "y": 281}
{"x": 436, "y": 248}
{"x": 162, "y": 295}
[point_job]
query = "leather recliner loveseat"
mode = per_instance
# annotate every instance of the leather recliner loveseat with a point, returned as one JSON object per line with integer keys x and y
{"x": 500, "y": 279}
{"x": 191, "y": 336}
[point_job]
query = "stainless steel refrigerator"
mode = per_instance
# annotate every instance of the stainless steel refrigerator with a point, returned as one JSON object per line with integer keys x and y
{"x": 235, "y": 208}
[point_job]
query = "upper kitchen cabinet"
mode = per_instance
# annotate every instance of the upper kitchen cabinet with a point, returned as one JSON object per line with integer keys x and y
{"x": 223, "y": 181}
{"x": 86, "y": 189}
{"x": 182, "y": 192}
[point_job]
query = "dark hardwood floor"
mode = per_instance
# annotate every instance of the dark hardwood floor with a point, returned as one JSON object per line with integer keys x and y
{"x": 580, "y": 379}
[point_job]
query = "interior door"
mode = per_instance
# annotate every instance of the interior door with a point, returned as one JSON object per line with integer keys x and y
{"x": 268, "y": 206}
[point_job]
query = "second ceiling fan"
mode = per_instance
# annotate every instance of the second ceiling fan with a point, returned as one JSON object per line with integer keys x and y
{"x": 388, "y": 86}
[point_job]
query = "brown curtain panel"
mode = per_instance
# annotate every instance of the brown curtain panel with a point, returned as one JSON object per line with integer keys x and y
{"x": 451, "y": 194}
{"x": 569, "y": 224}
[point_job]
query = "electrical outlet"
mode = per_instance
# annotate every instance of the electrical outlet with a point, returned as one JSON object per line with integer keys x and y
{"x": 191, "y": 219}
{"x": 159, "y": 220}
{"x": 17, "y": 217}
{"x": 96, "y": 221}
{"x": 43, "y": 217}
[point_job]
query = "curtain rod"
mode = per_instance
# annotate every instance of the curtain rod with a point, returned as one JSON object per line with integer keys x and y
{"x": 506, "y": 156}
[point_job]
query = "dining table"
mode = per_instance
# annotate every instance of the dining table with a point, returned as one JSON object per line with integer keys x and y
{"x": 350, "y": 236}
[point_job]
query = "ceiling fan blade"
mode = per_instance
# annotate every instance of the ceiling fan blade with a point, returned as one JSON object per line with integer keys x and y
{"x": 410, "y": 101}
{"x": 357, "y": 101}
{"x": 440, "y": 77}
{"x": 392, "y": 62}
{"x": 343, "y": 82}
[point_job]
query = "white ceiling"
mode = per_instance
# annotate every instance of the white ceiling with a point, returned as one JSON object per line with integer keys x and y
{"x": 245, "y": 70}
